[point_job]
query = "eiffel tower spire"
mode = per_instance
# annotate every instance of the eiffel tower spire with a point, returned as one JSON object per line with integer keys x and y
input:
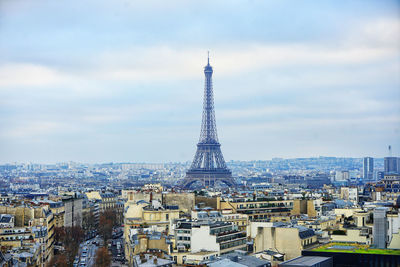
{"x": 208, "y": 165}
{"x": 208, "y": 133}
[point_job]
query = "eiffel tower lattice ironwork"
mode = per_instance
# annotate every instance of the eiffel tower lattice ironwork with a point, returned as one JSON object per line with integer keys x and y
{"x": 208, "y": 165}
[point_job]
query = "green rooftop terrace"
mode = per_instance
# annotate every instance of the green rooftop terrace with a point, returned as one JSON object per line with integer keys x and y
{"x": 354, "y": 248}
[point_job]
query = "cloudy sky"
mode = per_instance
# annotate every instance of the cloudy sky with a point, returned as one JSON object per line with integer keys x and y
{"x": 122, "y": 80}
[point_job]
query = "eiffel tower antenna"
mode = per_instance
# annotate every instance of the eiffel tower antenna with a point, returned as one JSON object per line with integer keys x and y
{"x": 208, "y": 165}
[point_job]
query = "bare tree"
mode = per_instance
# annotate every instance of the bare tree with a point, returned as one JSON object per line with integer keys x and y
{"x": 103, "y": 258}
{"x": 58, "y": 261}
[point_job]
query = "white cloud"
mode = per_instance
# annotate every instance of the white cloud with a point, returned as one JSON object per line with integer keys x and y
{"x": 255, "y": 112}
{"x": 383, "y": 32}
{"x": 33, "y": 129}
{"x": 366, "y": 43}
{"x": 28, "y": 74}
{"x": 163, "y": 63}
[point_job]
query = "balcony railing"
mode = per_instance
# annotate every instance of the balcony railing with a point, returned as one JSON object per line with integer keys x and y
{"x": 234, "y": 236}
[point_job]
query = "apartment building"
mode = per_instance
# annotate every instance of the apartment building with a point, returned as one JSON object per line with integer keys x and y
{"x": 73, "y": 211}
{"x": 140, "y": 241}
{"x": 217, "y": 236}
{"x": 259, "y": 208}
{"x": 287, "y": 240}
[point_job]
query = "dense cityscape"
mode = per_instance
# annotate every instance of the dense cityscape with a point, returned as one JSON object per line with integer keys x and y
{"x": 282, "y": 210}
{"x": 110, "y": 154}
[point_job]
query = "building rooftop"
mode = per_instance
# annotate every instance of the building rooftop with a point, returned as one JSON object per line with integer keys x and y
{"x": 305, "y": 232}
{"x": 151, "y": 260}
{"x": 203, "y": 252}
{"x": 5, "y": 218}
{"x": 225, "y": 263}
{"x": 305, "y": 261}
{"x": 237, "y": 259}
{"x": 107, "y": 195}
{"x": 184, "y": 225}
{"x": 218, "y": 224}
{"x": 353, "y": 248}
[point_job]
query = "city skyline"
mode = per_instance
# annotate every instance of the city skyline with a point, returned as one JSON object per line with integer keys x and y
{"x": 123, "y": 82}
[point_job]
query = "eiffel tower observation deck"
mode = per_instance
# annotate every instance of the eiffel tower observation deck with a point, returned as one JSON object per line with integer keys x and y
{"x": 208, "y": 166}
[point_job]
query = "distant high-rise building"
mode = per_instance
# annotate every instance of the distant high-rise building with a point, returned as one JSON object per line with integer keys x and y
{"x": 380, "y": 227}
{"x": 368, "y": 168}
{"x": 392, "y": 164}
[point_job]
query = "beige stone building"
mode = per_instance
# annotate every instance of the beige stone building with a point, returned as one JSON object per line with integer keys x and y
{"x": 199, "y": 257}
{"x": 107, "y": 199}
{"x": 349, "y": 193}
{"x": 257, "y": 209}
{"x": 354, "y": 235}
{"x": 185, "y": 201}
{"x": 139, "y": 215}
{"x": 320, "y": 224}
{"x": 346, "y": 212}
{"x": 135, "y": 195}
{"x": 143, "y": 215}
{"x": 212, "y": 202}
{"x": 37, "y": 217}
{"x": 304, "y": 206}
{"x": 240, "y": 220}
{"x": 395, "y": 242}
{"x": 153, "y": 187}
{"x": 44, "y": 217}
{"x": 23, "y": 214}
{"x": 141, "y": 241}
{"x": 58, "y": 210}
{"x": 288, "y": 241}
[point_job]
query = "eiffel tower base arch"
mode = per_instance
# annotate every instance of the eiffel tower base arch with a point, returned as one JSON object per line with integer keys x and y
{"x": 208, "y": 179}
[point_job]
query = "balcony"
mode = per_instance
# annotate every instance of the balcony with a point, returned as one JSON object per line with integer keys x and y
{"x": 231, "y": 236}
{"x": 269, "y": 210}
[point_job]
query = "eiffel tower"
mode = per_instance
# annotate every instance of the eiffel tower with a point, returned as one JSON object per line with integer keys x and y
{"x": 208, "y": 165}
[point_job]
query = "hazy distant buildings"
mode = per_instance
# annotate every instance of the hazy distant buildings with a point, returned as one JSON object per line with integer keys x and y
{"x": 342, "y": 176}
{"x": 392, "y": 164}
{"x": 379, "y": 175}
{"x": 368, "y": 168}
{"x": 349, "y": 193}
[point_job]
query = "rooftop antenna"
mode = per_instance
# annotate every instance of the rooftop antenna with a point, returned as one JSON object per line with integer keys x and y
{"x": 208, "y": 57}
{"x": 390, "y": 150}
